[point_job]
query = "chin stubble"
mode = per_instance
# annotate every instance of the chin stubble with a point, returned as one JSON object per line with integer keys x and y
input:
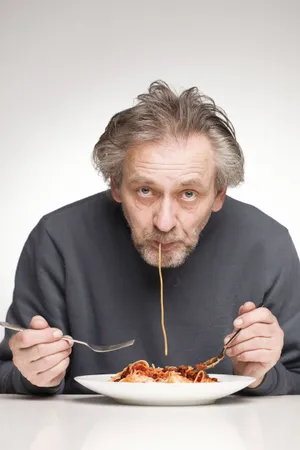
{"x": 150, "y": 255}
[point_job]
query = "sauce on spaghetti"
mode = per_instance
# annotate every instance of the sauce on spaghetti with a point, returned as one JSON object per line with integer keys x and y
{"x": 142, "y": 372}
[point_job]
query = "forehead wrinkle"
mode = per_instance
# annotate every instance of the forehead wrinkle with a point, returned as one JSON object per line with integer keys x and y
{"x": 186, "y": 177}
{"x": 197, "y": 168}
{"x": 157, "y": 164}
{"x": 196, "y": 164}
{"x": 140, "y": 170}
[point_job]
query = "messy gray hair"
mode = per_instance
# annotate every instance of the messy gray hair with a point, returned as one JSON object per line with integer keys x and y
{"x": 160, "y": 113}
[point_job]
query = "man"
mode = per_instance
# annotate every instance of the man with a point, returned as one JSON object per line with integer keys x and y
{"x": 89, "y": 270}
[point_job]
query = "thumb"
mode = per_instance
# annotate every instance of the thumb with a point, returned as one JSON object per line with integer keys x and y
{"x": 246, "y": 307}
{"x": 38, "y": 323}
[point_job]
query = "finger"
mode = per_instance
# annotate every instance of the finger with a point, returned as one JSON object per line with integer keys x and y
{"x": 246, "y": 307}
{"x": 39, "y": 351}
{"x": 261, "y": 315}
{"x": 29, "y": 338}
{"x": 259, "y": 356}
{"x": 48, "y": 362}
{"x": 56, "y": 381}
{"x": 70, "y": 342}
{"x": 45, "y": 378}
{"x": 255, "y": 330}
{"x": 255, "y": 343}
{"x": 38, "y": 323}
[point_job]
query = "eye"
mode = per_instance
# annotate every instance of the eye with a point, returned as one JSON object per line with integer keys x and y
{"x": 189, "y": 195}
{"x": 144, "y": 191}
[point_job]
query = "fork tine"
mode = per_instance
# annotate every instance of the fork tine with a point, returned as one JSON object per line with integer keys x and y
{"x": 111, "y": 348}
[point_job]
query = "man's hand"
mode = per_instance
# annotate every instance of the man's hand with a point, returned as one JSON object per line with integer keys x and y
{"x": 40, "y": 354}
{"x": 257, "y": 348}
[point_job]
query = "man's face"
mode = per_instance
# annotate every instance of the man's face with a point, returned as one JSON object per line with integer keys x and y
{"x": 168, "y": 194}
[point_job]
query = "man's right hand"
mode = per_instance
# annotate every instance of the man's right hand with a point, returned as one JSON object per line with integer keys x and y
{"x": 40, "y": 354}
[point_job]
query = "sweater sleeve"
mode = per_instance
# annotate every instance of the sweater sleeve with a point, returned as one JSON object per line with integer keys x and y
{"x": 283, "y": 299}
{"x": 38, "y": 290}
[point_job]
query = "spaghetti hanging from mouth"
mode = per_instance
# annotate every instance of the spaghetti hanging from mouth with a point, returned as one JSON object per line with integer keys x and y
{"x": 141, "y": 372}
{"x": 162, "y": 301}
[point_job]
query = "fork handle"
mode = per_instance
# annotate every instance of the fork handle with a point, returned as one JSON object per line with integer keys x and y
{"x": 10, "y": 326}
{"x": 75, "y": 341}
{"x": 238, "y": 331}
{"x": 233, "y": 337}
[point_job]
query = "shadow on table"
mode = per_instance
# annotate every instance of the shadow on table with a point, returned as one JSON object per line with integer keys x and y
{"x": 102, "y": 400}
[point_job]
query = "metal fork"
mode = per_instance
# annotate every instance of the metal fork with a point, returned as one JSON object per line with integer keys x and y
{"x": 210, "y": 363}
{"x": 95, "y": 348}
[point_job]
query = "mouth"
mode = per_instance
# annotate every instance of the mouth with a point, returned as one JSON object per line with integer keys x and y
{"x": 165, "y": 246}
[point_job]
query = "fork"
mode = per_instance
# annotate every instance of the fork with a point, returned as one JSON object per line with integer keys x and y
{"x": 95, "y": 348}
{"x": 210, "y": 363}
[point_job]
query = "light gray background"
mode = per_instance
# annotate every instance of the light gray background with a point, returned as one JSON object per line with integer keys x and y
{"x": 67, "y": 66}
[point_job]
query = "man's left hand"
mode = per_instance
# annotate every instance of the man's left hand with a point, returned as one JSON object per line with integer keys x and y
{"x": 257, "y": 348}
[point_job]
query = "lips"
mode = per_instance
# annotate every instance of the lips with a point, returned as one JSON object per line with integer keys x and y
{"x": 164, "y": 246}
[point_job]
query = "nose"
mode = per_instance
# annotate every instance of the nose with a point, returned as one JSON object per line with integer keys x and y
{"x": 165, "y": 219}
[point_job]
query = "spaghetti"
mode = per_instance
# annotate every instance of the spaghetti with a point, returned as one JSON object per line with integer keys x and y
{"x": 162, "y": 301}
{"x": 142, "y": 372}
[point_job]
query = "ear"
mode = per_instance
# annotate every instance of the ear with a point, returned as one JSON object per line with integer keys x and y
{"x": 219, "y": 200}
{"x": 115, "y": 191}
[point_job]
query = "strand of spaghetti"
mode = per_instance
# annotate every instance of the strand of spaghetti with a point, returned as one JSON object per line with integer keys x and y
{"x": 162, "y": 301}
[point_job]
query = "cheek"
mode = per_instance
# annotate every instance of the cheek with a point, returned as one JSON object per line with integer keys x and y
{"x": 140, "y": 215}
{"x": 134, "y": 203}
{"x": 194, "y": 218}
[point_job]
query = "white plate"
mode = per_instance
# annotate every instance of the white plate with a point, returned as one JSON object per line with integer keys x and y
{"x": 163, "y": 394}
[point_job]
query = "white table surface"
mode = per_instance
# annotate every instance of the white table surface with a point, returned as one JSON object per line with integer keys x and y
{"x": 95, "y": 422}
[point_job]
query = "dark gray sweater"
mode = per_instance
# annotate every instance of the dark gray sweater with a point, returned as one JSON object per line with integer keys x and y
{"x": 80, "y": 271}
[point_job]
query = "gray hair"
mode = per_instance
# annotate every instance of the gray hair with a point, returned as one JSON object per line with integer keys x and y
{"x": 160, "y": 113}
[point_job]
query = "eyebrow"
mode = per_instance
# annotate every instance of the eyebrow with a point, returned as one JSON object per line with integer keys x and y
{"x": 140, "y": 179}
{"x": 192, "y": 182}
{"x": 196, "y": 181}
